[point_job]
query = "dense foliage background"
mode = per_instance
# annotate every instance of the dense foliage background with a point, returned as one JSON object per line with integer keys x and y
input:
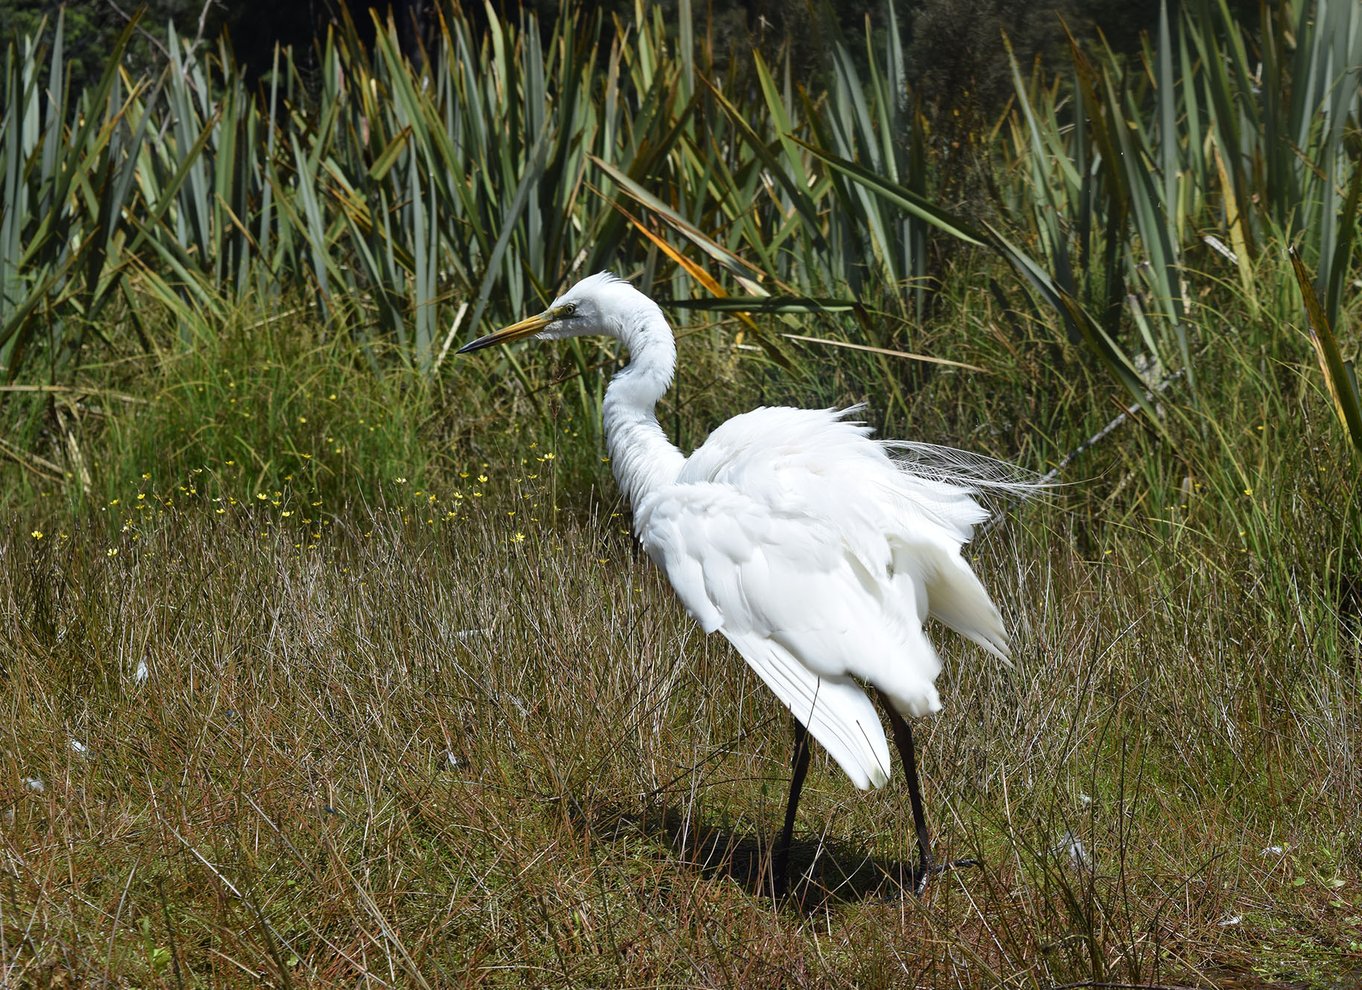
{"x": 955, "y": 58}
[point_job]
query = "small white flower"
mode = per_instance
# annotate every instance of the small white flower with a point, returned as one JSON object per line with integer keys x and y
{"x": 79, "y": 748}
{"x": 1231, "y": 921}
{"x": 1272, "y": 851}
{"x": 35, "y": 784}
{"x": 139, "y": 675}
{"x": 1072, "y": 846}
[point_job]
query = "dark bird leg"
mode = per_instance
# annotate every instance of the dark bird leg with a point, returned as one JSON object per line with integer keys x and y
{"x": 780, "y": 856}
{"x": 926, "y": 862}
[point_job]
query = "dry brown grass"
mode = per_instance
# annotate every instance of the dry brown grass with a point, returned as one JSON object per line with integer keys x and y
{"x": 422, "y": 752}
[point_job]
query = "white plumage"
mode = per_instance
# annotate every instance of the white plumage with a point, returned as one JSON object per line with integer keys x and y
{"x": 814, "y": 550}
{"x": 819, "y": 557}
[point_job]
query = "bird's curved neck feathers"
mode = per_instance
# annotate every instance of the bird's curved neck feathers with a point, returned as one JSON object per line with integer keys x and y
{"x": 641, "y": 456}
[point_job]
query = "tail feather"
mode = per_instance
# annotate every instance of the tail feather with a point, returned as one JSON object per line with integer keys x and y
{"x": 836, "y": 711}
{"x": 957, "y": 599}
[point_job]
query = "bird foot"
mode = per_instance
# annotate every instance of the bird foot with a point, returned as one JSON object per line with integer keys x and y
{"x": 925, "y": 871}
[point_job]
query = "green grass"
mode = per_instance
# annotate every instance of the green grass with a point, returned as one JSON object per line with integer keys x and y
{"x": 450, "y": 727}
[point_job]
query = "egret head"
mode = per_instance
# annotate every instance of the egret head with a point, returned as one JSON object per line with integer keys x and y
{"x": 597, "y": 305}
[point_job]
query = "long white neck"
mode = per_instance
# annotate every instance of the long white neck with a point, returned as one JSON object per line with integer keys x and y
{"x": 641, "y": 456}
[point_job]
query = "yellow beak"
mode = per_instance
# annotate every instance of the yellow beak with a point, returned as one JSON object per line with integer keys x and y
{"x": 525, "y": 328}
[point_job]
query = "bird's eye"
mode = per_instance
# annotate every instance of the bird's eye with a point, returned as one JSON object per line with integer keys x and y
{"x": 569, "y": 310}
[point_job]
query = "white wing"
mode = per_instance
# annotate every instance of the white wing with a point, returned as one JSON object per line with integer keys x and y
{"x": 819, "y": 558}
{"x": 761, "y": 579}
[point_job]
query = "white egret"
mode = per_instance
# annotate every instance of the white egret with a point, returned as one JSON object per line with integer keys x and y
{"x": 817, "y": 553}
